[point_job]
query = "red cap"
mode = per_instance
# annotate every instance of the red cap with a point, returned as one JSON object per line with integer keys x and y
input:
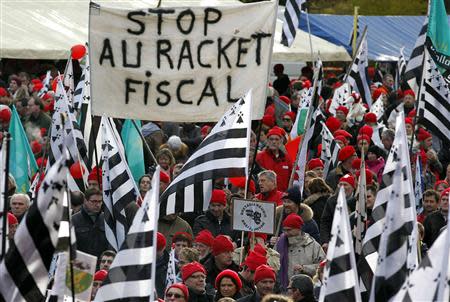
{"x": 275, "y": 131}
{"x": 412, "y": 113}
{"x": 41, "y": 162}
{"x": 257, "y": 235}
{"x": 222, "y": 244}
{"x": 218, "y": 196}
{"x": 264, "y": 272}
{"x": 346, "y": 153}
{"x": 268, "y": 120}
{"x": 260, "y": 249}
{"x": 342, "y": 139}
{"x": 229, "y": 274}
{"x": 37, "y": 87}
{"x": 356, "y": 163}
{"x": 160, "y": 241}
{"x": 369, "y": 176}
{"x": 293, "y": 221}
{"x": 36, "y": 147}
{"x": 254, "y": 259}
{"x": 440, "y": 182}
{"x": 181, "y": 287}
{"x": 315, "y": 163}
{"x": 285, "y": 99}
{"x": 370, "y": 117}
{"x": 100, "y": 275}
{"x": 348, "y": 178}
{"x": 12, "y": 220}
{"x": 3, "y": 92}
{"x": 239, "y": 182}
{"x": 366, "y": 129}
{"x": 363, "y": 137}
{"x": 93, "y": 174}
{"x": 163, "y": 177}
{"x": 377, "y": 92}
{"x": 190, "y": 269}
{"x": 409, "y": 92}
{"x": 333, "y": 124}
{"x": 343, "y": 133}
{"x": 423, "y": 135}
{"x": 290, "y": 114}
{"x": 343, "y": 109}
{"x": 409, "y": 120}
{"x": 445, "y": 192}
{"x": 205, "y": 237}
{"x": 204, "y": 130}
{"x": 5, "y": 113}
{"x": 77, "y": 170}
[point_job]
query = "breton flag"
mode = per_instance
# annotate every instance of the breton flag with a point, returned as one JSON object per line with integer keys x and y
{"x": 291, "y": 19}
{"x": 68, "y": 80}
{"x": 413, "y": 72}
{"x": 434, "y": 101}
{"x": 340, "y": 278}
{"x": 223, "y": 153}
{"x": 358, "y": 77}
{"x": 418, "y": 183}
{"x": 119, "y": 188}
{"x": 360, "y": 209}
{"x": 131, "y": 276}
{"x": 46, "y": 84}
{"x": 342, "y": 97}
{"x": 392, "y": 263}
{"x": 25, "y": 268}
{"x": 401, "y": 68}
{"x": 171, "y": 276}
{"x": 330, "y": 150}
{"x": 378, "y": 108}
{"x": 399, "y": 152}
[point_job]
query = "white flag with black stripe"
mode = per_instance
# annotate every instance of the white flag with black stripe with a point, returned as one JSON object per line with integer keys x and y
{"x": 434, "y": 101}
{"x": 340, "y": 278}
{"x": 392, "y": 264}
{"x": 68, "y": 80}
{"x": 171, "y": 276}
{"x": 401, "y": 68}
{"x": 119, "y": 188}
{"x": 45, "y": 84}
{"x": 223, "y": 153}
{"x": 342, "y": 96}
{"x": 418, "y": 183}
{"x": 413, "y": 72}
{"x": 360, "y": 209}
{"x": 378, "y": 108}
{"x": 131, "y": 276}
{"x": 291, "y": 19}
{"x": 358, "y": 77}
{"x": 330, "y": 150}
{"x": 24, "y": 270}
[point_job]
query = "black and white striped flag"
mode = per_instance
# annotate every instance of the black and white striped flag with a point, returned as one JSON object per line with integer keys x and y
{"x": 291, "y": 19}
{"x": 340, "y": 279}
{"x": 24, "y": 270}
{"x": 223, "y": 153}
{"x": 418, "y": 183}
{"x": 358, "y": 77}
{"x": 434, "y": 101}
{"x": 68, "y": 80}
{"x": 392, "y": 264}
{"x": 360, "y": 209}
{"x": 131, "y": 276}
{"x": 66, "y": 235}
{"x": 330, "y": 151}
{"x": 46, "y": 84}
{"x": 119, "y": 188}
{"x": 413, "y": 72}
{"x": 401, "y": 68}
{"x": 398, "y": 152}
{"x": 171, "y": 276}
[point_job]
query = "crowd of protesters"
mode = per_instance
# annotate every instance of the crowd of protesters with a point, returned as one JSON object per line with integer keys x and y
{"x": 212, "y": 264}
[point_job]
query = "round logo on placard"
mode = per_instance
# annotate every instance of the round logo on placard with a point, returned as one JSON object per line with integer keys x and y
{"x": 253, "y": 216}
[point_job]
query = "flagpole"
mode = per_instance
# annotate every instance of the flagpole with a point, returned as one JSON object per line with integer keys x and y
{"x": 309, "y": 34}
{"x": 147, "y": 147}
{"x": 71, "y": 251}
{"x": 6, "y": 140}
{"x": 355, "y": 29}
{"x": 357, "y": 50}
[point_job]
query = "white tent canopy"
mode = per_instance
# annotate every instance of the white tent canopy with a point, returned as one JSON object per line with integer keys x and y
{"x": 48, "y": 29}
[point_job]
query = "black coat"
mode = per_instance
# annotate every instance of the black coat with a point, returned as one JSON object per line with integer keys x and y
{"x": 161, "y": 272}
{"x": 218, "y": 296}
{"x": 433, "y": 225}
{"x": 211, "y": 223}
{"x": 326, "y": 220}
{"x": 90, "y": 234}
{"x": 213, "y": 271}
{"x": 194, "y": 297}
{"x": 255, "y": 297}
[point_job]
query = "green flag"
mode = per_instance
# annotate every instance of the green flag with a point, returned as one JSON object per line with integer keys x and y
{"x": 133, "y": 148}
{"x": 438, "y": 36}
{"x": 22, "y": 164}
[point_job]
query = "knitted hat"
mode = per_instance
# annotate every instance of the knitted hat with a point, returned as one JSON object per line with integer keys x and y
{"x": 268, "y": 120}
{"x": 253, "y": 260}
{"x": 346, "y": 153}
{"x": 377, "y": 92}
{"x": 293, "y": 221}
{"x": 370, "y": 117}
{"x": 190, "y": 269}
{"x": 342, "y": 139}
{"x": 163, "y": 177}
{"x": 409, "y": 92}
{"x": 160, "y": 241}
{"x": 343, "y": 109}
{"x": 229, "y": 274}
{"x": 315, "y": 163}
{"x": 293, "y": 194}
{"x": 333, "y": 124}
{"x": 264, "y": 272}
{"x": 445, "y": 192}
{"x": 5, "y": 113}
{"x": 343, "y": 133}
{"x": 291, "y": 115}
{"x": 285, "y": 99}
{"x": 260, "y": 249}
{"x": 263, "y": 236}
{"x": 423, "y": 135}
{"x": 363, "y": 137}
{"x": 12, "y": 219}
{"x": 174, "y": 142}
{"x": 3, "y": 92}
{"x": 440, "y": 182}
{"x": 100, "y": 275}
{"x": 356, "y": 163}
{"x": 205, "y": 237}
{"x": 218, "y": 196}
{"x": 181, "y": 287}
{"x": 409, "y": 120}
{"x": 369, "y": 176}
{"x": 221, "y": 245}
{"x": 367, "y": 130}
{"x": 239, "y": 182}
{"x": 348, "y": 178}
{"x": 275, "y": 131}
{"x": 93, "y": 174}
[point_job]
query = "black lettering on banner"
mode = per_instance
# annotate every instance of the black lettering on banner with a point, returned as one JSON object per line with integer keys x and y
{"x": 229, "y": 98}
{"x": 107, "y": 53}
{"x": 138, "y": 55}
{"x": 159, "y": 87}
{"x": 258, "y": 37}
{"x": 186, "y": 47}
{"x": 162, "y": 49}
{"x": 181, "y": 84}
{"x": 208, "y": 91}
{"x": 221, "y": 52}
{"x": 129, "y": 89}
{"x": 160, "y": 13}
{"x": 138, "y": 22}
{"x": 146, "y": 87}
{"x": 181, "y": 15}
{"x": 241, "y": 50}
{"x": 199, "y": 55}
{"x": 210, "y": 20}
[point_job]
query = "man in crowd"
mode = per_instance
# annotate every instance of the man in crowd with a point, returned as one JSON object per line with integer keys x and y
{"x": 267, "y": 181}
{"x": 162, "y": 260}
{"x": 301, "y": 288}
{"x": 106, "y": 259}
{"x": 38, "y": 118}
{"x": 430, "y": 203}
{"x": 19, "y": 204}
{"x": 436, "y": 220}
{"x": 264, "y": 284}
{"x": 194, "y": 276}
{"x": 247, "y": 274}
{"x": 345, "y": 156}
{"x": 171, "y": 224}
{"x": 203, "y": 243}
{"x": 222, "y": 251}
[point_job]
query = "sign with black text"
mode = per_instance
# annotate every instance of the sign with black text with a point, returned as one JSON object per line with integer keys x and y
{"x": 179, "y": 63}
{"x": 253, "y": 216}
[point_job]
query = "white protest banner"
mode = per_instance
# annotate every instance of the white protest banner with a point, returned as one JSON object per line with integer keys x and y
{"x": 179, "y": 64}
{"x": 253, "y": 216}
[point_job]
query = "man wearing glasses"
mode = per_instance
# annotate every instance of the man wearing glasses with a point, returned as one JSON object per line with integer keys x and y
{"x": 194, "y": 277}
{"x": 301, "y": 288}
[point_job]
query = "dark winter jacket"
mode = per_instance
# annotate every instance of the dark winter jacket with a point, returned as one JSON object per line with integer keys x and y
{"x": 211, "y": 223}
{"x": 310, "y": 226}
{"x": 255, "y": 297}
{"x": 317, "y": 202}
{"x": 195, "y": 297}
{"x": 213, "y": 271}
{"x": 433, "y": 225}
{"x": 161, "y": 272}
{"x": 326, "y": 220}
{"x": 334, "y": 176}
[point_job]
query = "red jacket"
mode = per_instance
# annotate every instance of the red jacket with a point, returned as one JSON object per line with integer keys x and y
{"x": 281, "y": 165}
{"x": 274, "y": 196}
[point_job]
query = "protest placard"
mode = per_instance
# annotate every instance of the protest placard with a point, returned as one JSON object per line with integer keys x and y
{"x": 253, "y": 216}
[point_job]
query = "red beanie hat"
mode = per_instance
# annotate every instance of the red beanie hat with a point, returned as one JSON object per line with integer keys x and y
{"x": 369, "y": 176}
{"x": 163, "y": 177}
{"x": 377, "y": 92}
{"x": 222, "y": 244}
{"x": 370, "y": 117}
{"x": 100, "y": 275}
{"x": 356, "y": 163}
{"x": 275, "y": 131}
{"x": 239, "y": 182}
{"x": 93, "y": 174}
{"x": 190, "y": 269}
{"x": 268, "y": 120}
{"x": 412, "y": 113}
{"x": 5, "y": 113}
{"x": 367, "y": 130}
{"x": 36, "y": 147}
{"x": 3, "y": 92}
{"x": 333, "y": 124}
{"x": 293, "y": 221}
{"x": 445, "y": 192}
{"x": 285, "y": 99}
{"x": 343, "y": 109}
{"x": 181, "y": 287}
{"x": 160, "y": 241}
{"x": 440, "y": 182}
{"x": 363, "y": 137}
{"x": 341, "y": 138}
{"x": 257, "y": 235}
{"x": 218, "y": 196}
{"x": 260, "y": 249}
{"x": 205, "y": 237}
{"x": 423, "y": 135}
{"x": 264, "y": 272}
{"x": 409, "y": 92}
{"x": 291, "y": 115}
{"x": 315, "y": 163}
{"x": 229, "y": 274}
{"x": 12, "y": 219}
{"x": 409, "y": 120}
{"x": 254, "y": 259}
{"x": 346, "y": 153}
{"x": 343, "y": 133}
{"x": 348, "y": 178}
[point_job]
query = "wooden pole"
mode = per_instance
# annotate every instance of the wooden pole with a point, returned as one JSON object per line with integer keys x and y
{"x": 355, "y": 29}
